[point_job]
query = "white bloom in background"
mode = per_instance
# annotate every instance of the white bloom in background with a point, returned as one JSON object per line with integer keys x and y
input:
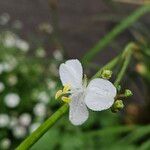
{"x": 43, "y": 97}
{"x": 17, "y": 24}
{"x": 40, "y": 52}
{"x": 2, "y": 87}
{"x": 51, "y": 84}
{"x": 34, "y": 126}
{"x": 98, "y": 95}
{"x": 4, "y": 120}
{"x": 4, "y": 18}
{"x": 13, "y": 122}
{"x": 22, "y": 45}
{"x": 53, "y": 69}
{"x": 19, "y": 131}
{"x": 1, "y": 68}
{"x": 12, "y": 80}
{"x": 9, "y": 39}
{"x": 58, "y": 55}
{"x": 40, "y": 110}
{"x": 25, "y": 119}
{"x": 5, "y": 143}
{"x": 12, "y": 100}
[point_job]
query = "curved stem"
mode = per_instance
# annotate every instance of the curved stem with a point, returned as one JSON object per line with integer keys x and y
{"x": 115, "y": 32}
{"x": 127, "y": 57}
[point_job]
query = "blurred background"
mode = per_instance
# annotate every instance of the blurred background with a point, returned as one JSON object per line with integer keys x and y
{"x": 35, "y": 37}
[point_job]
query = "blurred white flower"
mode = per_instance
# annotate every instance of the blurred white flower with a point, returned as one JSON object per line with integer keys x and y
{"x": 2, "y": 87}
{"x": 9, "y": 39}
{"x": 19, "y": 131}
{"x": 4, "y": 18}
{"x": 40, "y": 110}
{"x": 4, "y": 120}
{"x": 43, "y": 97}
{"x": 40, "y": 52}
{"x": 25, "y": 119}
{"x": 13, "y": 122}
{"x": 22, "y": 45}
{"x": 12, "y": 80}
{"x": 34, "y": 126}
{"x": 5, "y": 143}
{"x": 12, "y": 100}
{"x": 53, "y": 69}
{"x": 58, "y": 55}
{"x": 98, "y": 95}
{"x": 51, "y": 84}
{"x": 17, "y": 24}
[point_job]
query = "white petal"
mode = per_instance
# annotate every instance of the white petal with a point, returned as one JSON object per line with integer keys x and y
{"x": 78, "y": 112}
{"x": 71, "y": 72}
{"x": 100, "y": 94}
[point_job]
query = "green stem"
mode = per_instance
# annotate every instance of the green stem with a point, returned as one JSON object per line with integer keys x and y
{"x": 110, "y": 65}
{"x": 127, "y": 57}
{"x": 34, "y": 137}
{"x": 115, "y": 32}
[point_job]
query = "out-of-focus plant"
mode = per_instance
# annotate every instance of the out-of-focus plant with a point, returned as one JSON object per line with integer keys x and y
{"x": 27, "y": 84}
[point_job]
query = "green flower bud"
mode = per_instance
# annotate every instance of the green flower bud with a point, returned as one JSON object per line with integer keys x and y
{"x": 128, "y": 93}
{"x": 106, "y": 74}
{"x": 117, "y": 106}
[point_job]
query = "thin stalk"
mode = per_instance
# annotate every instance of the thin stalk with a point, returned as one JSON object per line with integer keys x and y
{"x": 114, "y": 33}
{"x": 127, "y": 57}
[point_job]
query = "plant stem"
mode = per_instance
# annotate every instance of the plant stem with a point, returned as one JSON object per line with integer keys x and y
{"x": 109, "y": 65}
{"x": 115, "y": 32}
{"x": 35, "y": 136}
{"x": 127, "y": 57}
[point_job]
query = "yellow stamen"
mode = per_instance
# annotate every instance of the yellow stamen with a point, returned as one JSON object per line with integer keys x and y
{"x": 66, "y": 88}
{"x": 66, "y": 99}
{"x": 58, "y": 94}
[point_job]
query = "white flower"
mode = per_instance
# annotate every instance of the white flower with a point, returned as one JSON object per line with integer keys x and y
{"x": 2, "y": 87}
{"x": 4, "y": 120}
{"x": 12, "y": 80}
{"x": 98, "y": 95}
{"x": 25, "y": 119}
{"x": 4, "y": 18}
{"x": 40, "y": 110}
{"x": 40, "y": 52}
{"x": 34, "y": 126}
{"x": 19, "y": 131}
{"x": 58, "y": 55}
{"x": 22, "y": 45}
{"x": 13, "y": 122}
{"x": 9, "y": 39}
{"x": 12, "y": 100}
{"x": 43, "y": 97}
{"x": 5, "y": 143}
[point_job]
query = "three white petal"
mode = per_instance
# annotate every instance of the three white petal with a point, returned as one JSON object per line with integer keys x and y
{"x": 98, "y": 95}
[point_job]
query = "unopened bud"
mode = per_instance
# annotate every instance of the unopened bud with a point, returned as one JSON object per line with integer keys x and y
{"x": 128, "y": 93}
{"x": 117, "y": 106}
{"x": 106, "y": 74}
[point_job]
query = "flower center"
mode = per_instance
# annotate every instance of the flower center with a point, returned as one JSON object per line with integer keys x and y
{"x": 66, "y": 93}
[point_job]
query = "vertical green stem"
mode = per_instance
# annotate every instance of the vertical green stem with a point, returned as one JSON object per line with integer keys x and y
{"x": 115, "y": 32}
{"x": 127, "y": 57}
